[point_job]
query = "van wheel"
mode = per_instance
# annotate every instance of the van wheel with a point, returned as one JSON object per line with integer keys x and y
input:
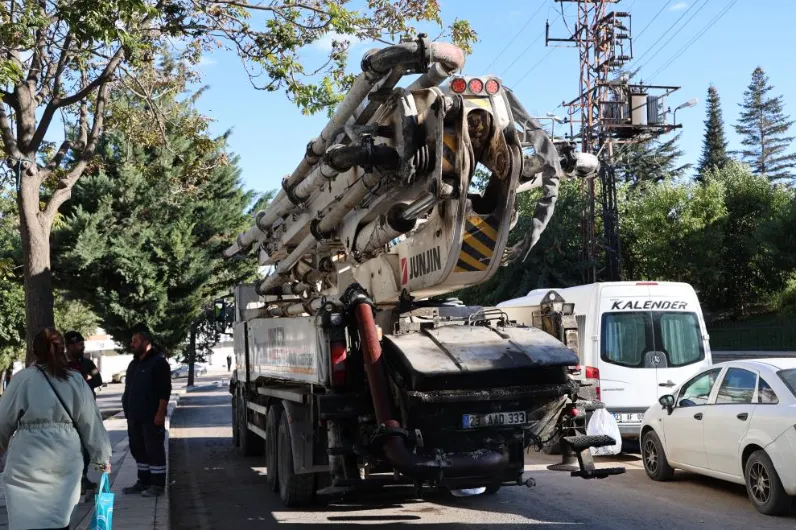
{"x": 763, "y": 485}
{"x": 492, "y": 489}
{"x": 295, "y": 490}
{"x": 271, "y": 446}
{"x": 655, "y": 463}
{"x": 250, "y": 443}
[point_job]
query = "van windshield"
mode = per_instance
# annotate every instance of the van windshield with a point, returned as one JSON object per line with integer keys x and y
{"x": 637, "y": 338}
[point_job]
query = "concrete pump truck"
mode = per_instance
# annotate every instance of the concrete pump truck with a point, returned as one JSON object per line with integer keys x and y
{"x": 352, "y": 371}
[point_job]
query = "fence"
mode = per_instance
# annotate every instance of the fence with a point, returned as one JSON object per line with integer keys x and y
{"x": 772, "y": 334}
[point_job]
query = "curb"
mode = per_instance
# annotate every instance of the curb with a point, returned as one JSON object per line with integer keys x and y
{"x": 162, "y": 511}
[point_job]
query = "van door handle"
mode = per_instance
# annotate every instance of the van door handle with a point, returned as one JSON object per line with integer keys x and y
{"x": 698, "y": 416}
{"x": 667, "y": 383}
{"x": 743, "y": 416}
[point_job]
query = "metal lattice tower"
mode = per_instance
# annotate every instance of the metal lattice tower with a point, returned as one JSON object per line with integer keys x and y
{"x": 608, "y": 111}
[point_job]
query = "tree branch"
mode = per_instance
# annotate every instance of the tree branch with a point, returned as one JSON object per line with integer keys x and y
{"x": 65, "y": 185}
{"x": 7, "y": 133}
{"x": 55, "y": 161}
{"x": 83, "y": 93}
{"x": 66, "y": 53}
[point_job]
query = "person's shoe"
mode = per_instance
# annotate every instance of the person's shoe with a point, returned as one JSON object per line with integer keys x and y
{"x": 153, "y": 491}
{"x": 135, "y": 488}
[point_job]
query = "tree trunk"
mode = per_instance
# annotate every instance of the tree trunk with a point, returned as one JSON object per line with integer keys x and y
{"x": 36, "y": 254}
{"x": 192, "y": 356}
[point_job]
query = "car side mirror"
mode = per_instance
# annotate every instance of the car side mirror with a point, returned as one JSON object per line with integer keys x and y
{"x": 667, "y": 402}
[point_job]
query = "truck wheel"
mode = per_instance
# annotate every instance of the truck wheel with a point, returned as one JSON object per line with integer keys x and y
{"x": 250, "y": 443}
{"x": 271, "y": 446}
{"x": 652, "y": 454}
{"x": 235, "y": 431}
{"x": 295, "y": 490}
{"x": 764, "y": 486}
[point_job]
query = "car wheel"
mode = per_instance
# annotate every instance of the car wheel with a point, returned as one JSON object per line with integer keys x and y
{"x": 763, "y": 485}
{"x": 652, "y": 454}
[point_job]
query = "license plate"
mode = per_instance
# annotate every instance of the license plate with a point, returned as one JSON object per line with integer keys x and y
{"x": 623, "y": 417}
{"x": 496, "y": 419}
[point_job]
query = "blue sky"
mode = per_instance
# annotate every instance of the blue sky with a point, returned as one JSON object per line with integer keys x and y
{"x": 270, "y": 134}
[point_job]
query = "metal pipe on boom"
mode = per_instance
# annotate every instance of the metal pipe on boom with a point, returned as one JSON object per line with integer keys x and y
{"x": 437, "y": 61}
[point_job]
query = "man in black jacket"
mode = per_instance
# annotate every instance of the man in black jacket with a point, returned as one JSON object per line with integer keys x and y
{"x": 146, "y": 396}
{"x": 75, "y": 350}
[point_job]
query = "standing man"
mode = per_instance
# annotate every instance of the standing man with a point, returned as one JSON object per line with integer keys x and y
{"x": 75, "y": 350}
{"x": 229, "y": 362}
{"x": 146, "y": 397}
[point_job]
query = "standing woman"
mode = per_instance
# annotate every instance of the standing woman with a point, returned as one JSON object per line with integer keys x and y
{"x": 45, "y": 413}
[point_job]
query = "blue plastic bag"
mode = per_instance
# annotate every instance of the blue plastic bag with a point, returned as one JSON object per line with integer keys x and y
{"x": 103, "y": 506}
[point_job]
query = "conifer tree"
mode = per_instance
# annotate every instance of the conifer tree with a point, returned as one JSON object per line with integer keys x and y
{"x": 763, "y": 126}
{"x": 714, "y": 145}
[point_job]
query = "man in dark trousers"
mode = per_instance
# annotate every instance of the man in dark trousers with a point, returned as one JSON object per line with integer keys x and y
{"x": 146, "y": 396}
{"x": 76, "y": 349}
{"x": 229, "y": 362}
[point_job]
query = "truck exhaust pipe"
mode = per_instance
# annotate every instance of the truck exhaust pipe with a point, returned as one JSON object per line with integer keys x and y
{"x": 486, "y": 463}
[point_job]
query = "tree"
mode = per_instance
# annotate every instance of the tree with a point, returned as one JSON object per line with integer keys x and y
{"x": 63, "y": 59}
{"x": 649, "y": 162}
{"x": 762, "y": 127}
{"x": 142, "y": 239}
{"x": 714, "y": 145}
{"x": 12, "y": 295}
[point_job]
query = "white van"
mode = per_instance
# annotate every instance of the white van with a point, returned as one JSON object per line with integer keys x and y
{"x": 636, "y": 340}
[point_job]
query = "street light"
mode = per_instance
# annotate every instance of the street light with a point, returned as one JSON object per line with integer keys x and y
{"x": 687, "y": 104}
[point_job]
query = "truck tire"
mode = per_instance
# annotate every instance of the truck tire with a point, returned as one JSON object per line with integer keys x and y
{"x": 250, "y": 443}
{"x": 235, "y": 431}
{"x": 295, "y": 490}
{"x": 271, "y": 446}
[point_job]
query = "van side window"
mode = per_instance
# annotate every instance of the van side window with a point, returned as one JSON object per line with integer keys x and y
{"x": 738, "y": 387}
{"x": 697, "y": 391}
{"x": 766, "y": 394}
{"x": 624, "y": 339}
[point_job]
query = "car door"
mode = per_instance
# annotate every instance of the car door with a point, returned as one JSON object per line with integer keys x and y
{"x": 728, "y": 419}
{"x": 684, "y": 428}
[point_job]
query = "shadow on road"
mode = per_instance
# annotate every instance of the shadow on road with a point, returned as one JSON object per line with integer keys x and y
{"x": 214, "y": 487}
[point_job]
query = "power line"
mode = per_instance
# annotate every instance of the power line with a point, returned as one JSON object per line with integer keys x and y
{"x": 704, "y": 4}
{"x": 640, "y": 33}
{"x": 516, "y": 35}
{"x": 533, "y": 67}
{"x": 521, "y": 54}
{"x": 665, "y": 33}
{"x": 684, "y": 49}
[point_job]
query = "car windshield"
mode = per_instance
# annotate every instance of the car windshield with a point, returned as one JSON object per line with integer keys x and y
{"x": 789, "y": 377}
{"x": 638, "y": 338}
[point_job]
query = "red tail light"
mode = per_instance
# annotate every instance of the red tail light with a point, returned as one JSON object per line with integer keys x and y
{"x": 459, "y": 85}
{"x": 476, "y": 85}
{"x": 594, "y": 373}
{"x": 573, "y": 412}
{"x": 492, "y": 87}
{"x": 339, "y": 355}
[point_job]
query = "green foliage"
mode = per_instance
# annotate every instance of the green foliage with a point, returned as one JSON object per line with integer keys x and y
{"x": 762, "y": 127}
{"x": 143, "y": 237}
{"x": 71, "y": 313}
{"x": 719, "y": 236}
{"x": 654, "y": 161}
{"x": 714, "y": 145}
{"x": 12, "y": 294}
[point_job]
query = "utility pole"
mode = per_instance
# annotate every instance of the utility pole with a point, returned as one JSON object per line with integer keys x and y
{"x": 609, "y": 111}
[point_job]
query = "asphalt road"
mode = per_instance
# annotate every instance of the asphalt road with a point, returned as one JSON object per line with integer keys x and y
{"x": 213, "y": 487}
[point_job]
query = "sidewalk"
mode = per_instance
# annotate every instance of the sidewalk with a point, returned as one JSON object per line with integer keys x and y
{"x": 130, "y": 512}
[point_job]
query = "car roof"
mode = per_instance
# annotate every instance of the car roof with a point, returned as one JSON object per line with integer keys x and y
{"x": 777, "y": 363}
